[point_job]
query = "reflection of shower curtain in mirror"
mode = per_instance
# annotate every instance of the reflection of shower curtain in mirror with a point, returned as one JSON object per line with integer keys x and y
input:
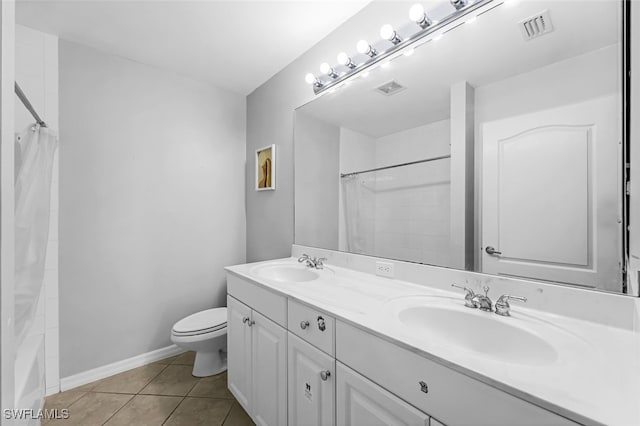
{"x": 353, "y": 209}
{"x": 35, "y": 148}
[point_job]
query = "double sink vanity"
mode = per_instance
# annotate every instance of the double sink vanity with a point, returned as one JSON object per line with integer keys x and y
{"x": 331, "y": 344}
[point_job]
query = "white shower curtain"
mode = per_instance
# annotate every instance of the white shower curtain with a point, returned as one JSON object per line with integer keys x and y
{"x": 35, "y": 149}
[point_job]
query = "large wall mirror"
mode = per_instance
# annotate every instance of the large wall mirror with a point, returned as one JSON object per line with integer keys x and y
{"x": 488, "y": 149}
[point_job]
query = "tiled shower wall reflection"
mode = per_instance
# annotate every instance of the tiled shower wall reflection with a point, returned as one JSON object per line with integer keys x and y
{"x": 406, "y": 209}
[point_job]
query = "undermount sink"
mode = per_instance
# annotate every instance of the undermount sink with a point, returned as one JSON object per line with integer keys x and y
{"x": 448, "y": 322}
{"x": 287, "y": 273}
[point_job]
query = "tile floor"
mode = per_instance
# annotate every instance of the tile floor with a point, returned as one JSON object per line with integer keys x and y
{"x": 161, "y": 393}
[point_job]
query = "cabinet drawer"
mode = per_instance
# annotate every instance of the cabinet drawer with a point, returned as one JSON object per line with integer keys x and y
{"x": 360, "y": 402}
{"x": 268, "y": 303}
{"x": 313, "y": 326}
{"x": 451, "y": 397}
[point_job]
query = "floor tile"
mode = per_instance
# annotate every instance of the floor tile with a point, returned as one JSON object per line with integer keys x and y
{"x": 61, "y": 400}
{"x": 93, "y": 409}
{"x": 212, "y": 387}
{"x": 186, "y": 358}
{"x": 131, "y": 381}
{"x": 200, "y": 411}
{"x": 174, "y": 380}
{"x": 238, "y": 417}
{"x": 145, "y": 410}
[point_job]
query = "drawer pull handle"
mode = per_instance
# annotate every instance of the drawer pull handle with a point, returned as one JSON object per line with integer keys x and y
{"x": 304, "y": 324}
{"x": 321, "y": 325}
{"x": 423, "y": 387}
{"x": 325, "y": 374}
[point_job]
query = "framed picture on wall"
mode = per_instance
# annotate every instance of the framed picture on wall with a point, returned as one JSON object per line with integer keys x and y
{"x": 266, "y": 168}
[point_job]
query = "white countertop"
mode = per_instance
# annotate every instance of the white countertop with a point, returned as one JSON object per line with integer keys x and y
{"x": 595, "y": 378}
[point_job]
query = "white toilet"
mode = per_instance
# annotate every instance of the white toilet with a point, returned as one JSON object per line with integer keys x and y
{"x": 205, "y": 333}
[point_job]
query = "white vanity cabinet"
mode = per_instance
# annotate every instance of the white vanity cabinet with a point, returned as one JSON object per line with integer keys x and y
{"x": 451, "y": 397}
{"x": 290, "y": 363}
{"x": 257, "y": 354}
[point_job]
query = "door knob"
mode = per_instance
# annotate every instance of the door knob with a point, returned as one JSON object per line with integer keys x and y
{"x": 325, "y": 374}
{"x": 492, "y": 251}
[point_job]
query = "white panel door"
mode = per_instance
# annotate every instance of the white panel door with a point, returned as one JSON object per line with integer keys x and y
{"x": 269, "y": 372}
{"x": 551, "y": 195}
{"x": 360, "y": 402}
{"x": 311, "y": 389}
{"x": 239, "y": 351}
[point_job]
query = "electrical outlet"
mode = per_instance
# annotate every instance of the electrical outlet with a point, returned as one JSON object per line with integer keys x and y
{"x": 384, "y": 269}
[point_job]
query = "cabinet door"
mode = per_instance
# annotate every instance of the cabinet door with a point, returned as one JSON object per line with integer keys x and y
{"x": 239, "y": 351}
{"x": 360, "y": 402}
{"x": 311, "y": 389}
{"x": 269, "y": 372}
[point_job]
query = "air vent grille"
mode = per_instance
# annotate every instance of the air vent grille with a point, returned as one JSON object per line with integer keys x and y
{"x": 537, "y": 25}
{"x": 390, "y": 88}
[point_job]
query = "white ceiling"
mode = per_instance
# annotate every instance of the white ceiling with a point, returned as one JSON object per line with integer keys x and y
{"x": 236, "y": 45}
{"x": 489, "y": 50}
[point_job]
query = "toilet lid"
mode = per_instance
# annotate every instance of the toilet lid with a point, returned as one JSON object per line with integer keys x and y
{"x": 203, "y": 321}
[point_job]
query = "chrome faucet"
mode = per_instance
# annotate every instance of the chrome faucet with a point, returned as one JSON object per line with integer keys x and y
{"x": 483, "y": 303}
{"x": 468, "y": 298}
{"x": 312, "y": 262}
{"x": 502, "y": 304}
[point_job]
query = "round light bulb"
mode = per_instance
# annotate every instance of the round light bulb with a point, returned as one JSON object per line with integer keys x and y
{"x": 325, "y": 68}
{"x": 363, "y": 47}
{"x": 310, "y": 78}
{"x": 416, "y": 13}
{"x": 387, "y": 32}
{"x": 343, "y": 58}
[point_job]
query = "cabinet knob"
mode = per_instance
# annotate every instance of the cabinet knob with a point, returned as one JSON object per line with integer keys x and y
{"x": 304, "y": 324}
{"x": 423, "y": 386}
{"x": 248, "y": 321}
{"x": 321, "y": 325}
{"x": 325, "y": 374}
{"x": 245, "y": 320}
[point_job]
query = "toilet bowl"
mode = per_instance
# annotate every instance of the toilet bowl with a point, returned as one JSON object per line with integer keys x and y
{"x": 205, "y": 333}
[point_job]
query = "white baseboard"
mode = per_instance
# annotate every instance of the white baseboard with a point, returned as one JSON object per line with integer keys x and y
{"x": 89, "y": 376}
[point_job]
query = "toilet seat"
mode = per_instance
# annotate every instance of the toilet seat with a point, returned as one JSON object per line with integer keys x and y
{"x": 203, "y": 322}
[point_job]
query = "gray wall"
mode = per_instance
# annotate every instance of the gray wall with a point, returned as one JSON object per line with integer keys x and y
{"x": 317, "y": 161}
{"x": 270, "y": 121}
{"x": 151, "y": 203}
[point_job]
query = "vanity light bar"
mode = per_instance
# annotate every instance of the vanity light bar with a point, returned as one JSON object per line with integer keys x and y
{"x": 331, "y": 78}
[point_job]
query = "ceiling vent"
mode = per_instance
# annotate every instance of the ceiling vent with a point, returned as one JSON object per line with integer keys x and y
{"x": 390, "y": 88}
{"x": 536, "y": 25}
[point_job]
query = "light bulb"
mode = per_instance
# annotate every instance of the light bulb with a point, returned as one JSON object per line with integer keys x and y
{"x": 416, "y": 13}
{"x": 363, "y": 47}
{"x": 325, "y": 68}
{"x": 343, "y": 58}
{"x": 310, "y": 78}
{"x": 387, "y": 32}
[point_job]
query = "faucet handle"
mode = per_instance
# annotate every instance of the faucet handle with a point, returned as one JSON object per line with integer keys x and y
{"x": 468, "y": 302}
{"x": 502, "y": 304}
{"x": 320, "y": 262}
{"x": 304, "y": 257}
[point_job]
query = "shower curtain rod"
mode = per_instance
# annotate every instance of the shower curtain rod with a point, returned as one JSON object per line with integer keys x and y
{"x": 28, "y": 105}
{"x": 342, "y": 175}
